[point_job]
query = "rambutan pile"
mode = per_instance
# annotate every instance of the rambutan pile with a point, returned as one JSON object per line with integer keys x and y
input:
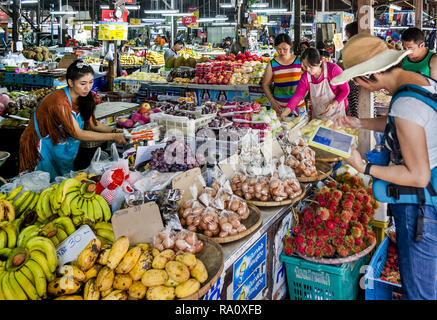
{"x": 390, "y": 272}
{"x": 336, "y": 224}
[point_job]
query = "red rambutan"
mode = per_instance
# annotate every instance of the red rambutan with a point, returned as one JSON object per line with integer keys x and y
{"x": 346, "y": 215}
{"x": 301, "y": 249}
{"x": 309, "y": 251}
{"x": 288, "y": 251}
{"x": 347, "y": 204}
{"x": 338, "y": 241}
{"x": 342, "y": 251}
{"x": 330, "y": 225}
{"x": 299, "y": 240}
{"x": 319, "y": 243}
{"x": 323, "y": 213}
{"x": 356, "y": 232}
{"x": 317, "y": 252}
{"x": 358, "y": 241}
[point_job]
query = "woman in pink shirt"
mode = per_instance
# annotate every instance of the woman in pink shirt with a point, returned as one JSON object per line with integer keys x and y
{"x": 328, "y": 101}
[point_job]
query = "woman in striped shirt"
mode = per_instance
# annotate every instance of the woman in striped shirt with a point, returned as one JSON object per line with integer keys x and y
{"x": 284, "y": 71}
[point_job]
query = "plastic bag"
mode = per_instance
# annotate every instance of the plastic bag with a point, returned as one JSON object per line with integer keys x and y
{"x": 207, "y": 196}
{"x": 239, "y": 206}
{"x": 109, "y": 56}
{"x": 165, "y": 239}
{"x": 100, "y": 163}
{"x": 35, "y": 181}
{"x": 155, "y": 180}
{"x": 209, "y": 222}
{"x": 187, "y": 241}
{"x": 221, "y": 200}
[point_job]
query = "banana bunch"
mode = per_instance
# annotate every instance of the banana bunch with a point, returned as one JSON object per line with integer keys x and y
{"x": 26, "y": 272}
{"x": 105, "y": 272}
{"x": 8, "y": 235}
{"x": 104, "y": 232}
{"x": 131, "y": 60}
{"x": 75, "y": 199}
{"x": 56, "y": 230}
{"x": 155, "y": 58}
{"x": 21, "y": 201}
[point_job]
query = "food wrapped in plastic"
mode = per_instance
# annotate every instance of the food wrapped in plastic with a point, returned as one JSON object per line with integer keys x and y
{"x": 239, "y": 206}
{"x": 207, "y": 196}
{"x": 222, "y": 198}
{"x": 165, "y": 239}
{"x": 209, "y": 222}
{"x": 187, "y": 241}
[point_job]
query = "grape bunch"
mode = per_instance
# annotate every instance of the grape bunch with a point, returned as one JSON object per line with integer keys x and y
{"x": 175, "y": 156}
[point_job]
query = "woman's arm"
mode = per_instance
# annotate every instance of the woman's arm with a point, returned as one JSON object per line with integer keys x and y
{"x": 416, "y": 172}
{"x": 374, "y": 124}
{"x": 88, "y": 135}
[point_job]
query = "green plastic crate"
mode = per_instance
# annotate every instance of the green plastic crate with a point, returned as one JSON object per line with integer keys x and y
{"x": 313, "y": 281}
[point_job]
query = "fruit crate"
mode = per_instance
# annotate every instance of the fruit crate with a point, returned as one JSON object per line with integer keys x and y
{"x": 375, "y": 288}
{"x": 379, "y": 228}
{"x": 181, "y": 124}
{"x": 314, "y": 281}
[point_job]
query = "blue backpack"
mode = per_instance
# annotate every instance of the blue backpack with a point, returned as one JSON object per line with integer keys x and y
{"x": 391, "y": 193}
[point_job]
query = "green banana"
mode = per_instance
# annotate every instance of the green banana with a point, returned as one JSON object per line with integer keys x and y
{"x": 4, "y": 253}
{"x": 26, "y": 234}
{"x": 66, "y": 204}
{"x": 105, "y": 207}
{"x": 12, "y": 289}
{"x": 14, "y": 193}
{"x": 98, "y": 212}
{"x": 26, "y": 285}
{"x": 62, "y": 234}
{"x": 74, "y": 206}
{"x": 32, "y": 205}
{"x": 3, "y": 195}
{"x": 26, "y": 271}
{"x": 40, "y": 208}
{"x": 55, "y": 239}
{"x": 65, "y": 223}
{"x": 25, "y": 204}
{"x": 106, "y": 234}
{"x": 84, "y": 189}
{"x": 39, "y": 258}
{"x": 21, "y": 198}
{"x": 78, "y": 220}
{"x": 47, "y": 247}
{"x": 46, "y": 208}
{"x": 11, "y": 232}
{"x": 103, "y": 225}
{"x": 66, "y": 186}
{"x": 38, "y": 277}
{"x": 17, "y": 223}
{"x": 53, "y": 204}
{"x": 2, "y": 274}
{"x": 3, "y": 239}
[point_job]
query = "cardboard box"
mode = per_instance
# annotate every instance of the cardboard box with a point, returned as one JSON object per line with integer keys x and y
{"x": 67, "y": 60}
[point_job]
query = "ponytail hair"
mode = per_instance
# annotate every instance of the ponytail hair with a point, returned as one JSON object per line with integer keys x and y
{"x": 87, "y": 104}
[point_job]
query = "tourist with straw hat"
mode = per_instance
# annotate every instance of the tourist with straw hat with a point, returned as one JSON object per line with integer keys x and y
{"x": 412, "y": 147}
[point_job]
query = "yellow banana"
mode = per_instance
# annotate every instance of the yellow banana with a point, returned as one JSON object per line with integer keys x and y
{"x": 77, "y": 220}
{"x": 90, "y": 211}
{"x": 38, "y": 277}
{"x": 98, "y": 212}
{"x": 13, "y": 290}
{"x": 55, "y": 239}
{"x": 75, "y": 207}
{"x": 116, "y": 295}
{"x": 144, "y": 263}
{"x": 90, "y": 291}
{"x": 27, "y": 233}
{"x": 81, "y": 176}
{"x": 122, "y": 281}
{"x": 43, "y": 209}
{"x": 11, "y": 232}
{"x": 54, "y": 205}
{"x": 3, "y": 195}
{"x": 66, "y": 204}
{"x": 103, "y": 225}
{"x": 21, "y": 198}
{"x": 70, "y": 297}
{"x": 23, "y": 207}
{"x": 26, "y": 271}
{"x": 129, "y": 260}
{"x": 93, "y": 271}
{"x": 26, "y": 285}
{"x": 65, "y": 187}
{"x": 41, "y": 260}
{"x": 88, "y": 256}
{"x": 104, "y": 254}
{"x": 46, "y": 207}
{"x": 3, "y": 239}
{"x": 105, "y": 279}
{"x": 7, "y": 211}
{"x": 32, "y": 205}
{"x": 118, "y": 250}
{"x": 47, "y": 247}
{"x": 137, "y": 290}
{"x": 2, "y": 274}
{"x": 63, "y": 286}
{"x": 61, "y": 234}
{"x": 106, "y": 210}
{"x": 72, "y": 271}
{"x": 14, "y": 193}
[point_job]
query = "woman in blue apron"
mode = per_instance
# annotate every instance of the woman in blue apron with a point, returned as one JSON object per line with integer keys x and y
{"x": 61, "y": 121}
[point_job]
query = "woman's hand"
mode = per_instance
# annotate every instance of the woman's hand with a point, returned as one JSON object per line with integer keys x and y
{"x": 329, "y": 108}
{"x": 285, "y": 113}
{"x": 119, "y": 138}
{"x": 277, "y": 107}
{"x": 356, "y": 161}
{"x": 347, "y": 122}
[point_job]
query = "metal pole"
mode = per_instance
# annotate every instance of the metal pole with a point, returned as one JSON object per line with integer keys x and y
{"x": 297, "y": 24}
{"x": 16, "y": 10}
{"x": 418, "y": 18}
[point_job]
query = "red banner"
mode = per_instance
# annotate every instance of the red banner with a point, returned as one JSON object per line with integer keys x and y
{"x": 108, "y": 16}
{"x": 131, "y": 2}
{"x": 189, "y": 20}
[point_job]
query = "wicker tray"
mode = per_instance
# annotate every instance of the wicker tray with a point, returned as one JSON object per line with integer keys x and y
{"x": 212, "y": 257}
{"x": 325, "y": 156}
{"x": 348, "y": 259}
{"x": 323, "y": 169}
{"x": 278, "y": 203}
{"x": 251, "y": 223}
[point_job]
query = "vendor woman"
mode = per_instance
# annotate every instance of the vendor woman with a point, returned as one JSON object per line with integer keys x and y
{"x": 328, "y": 101}
{"x": 61, "y": 121}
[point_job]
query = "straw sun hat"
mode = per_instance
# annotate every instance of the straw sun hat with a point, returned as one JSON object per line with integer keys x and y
{"x": 365, "y": 54}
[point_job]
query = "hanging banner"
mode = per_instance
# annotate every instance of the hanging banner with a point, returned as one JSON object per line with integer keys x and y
{"x": 390, "y": 15}
{"x": 134, "y": 21}
{"x": 111, "y": 31}
{"x": 189, "y": 21}
{"x": 108, "y": 16}
{"x": 195, "y": 11}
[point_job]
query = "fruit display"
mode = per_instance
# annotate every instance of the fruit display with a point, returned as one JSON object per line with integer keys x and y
{"x": 183, "y": 61}
{"x": 175, "y": 156}
{"x": 336, "y": 224}
{"x": 301, "y": 158}
{"x": 25, "y": 272}
{"x": 145, "y": 76}
{"x": 141, "y": 116}
{"x": 92, "y": 60}
{"x": 38, "y": 53}
{"x": 390, "y": 272}
{"x": 130, "y": 60}
{"x": 155, "y": 58}
{"x": 181, "y": 76}
{"x": 266, "y": 188}
{"x": 122, "y": 271}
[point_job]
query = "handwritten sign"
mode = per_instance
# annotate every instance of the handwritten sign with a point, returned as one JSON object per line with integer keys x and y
{"x": 69, "y": 249}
